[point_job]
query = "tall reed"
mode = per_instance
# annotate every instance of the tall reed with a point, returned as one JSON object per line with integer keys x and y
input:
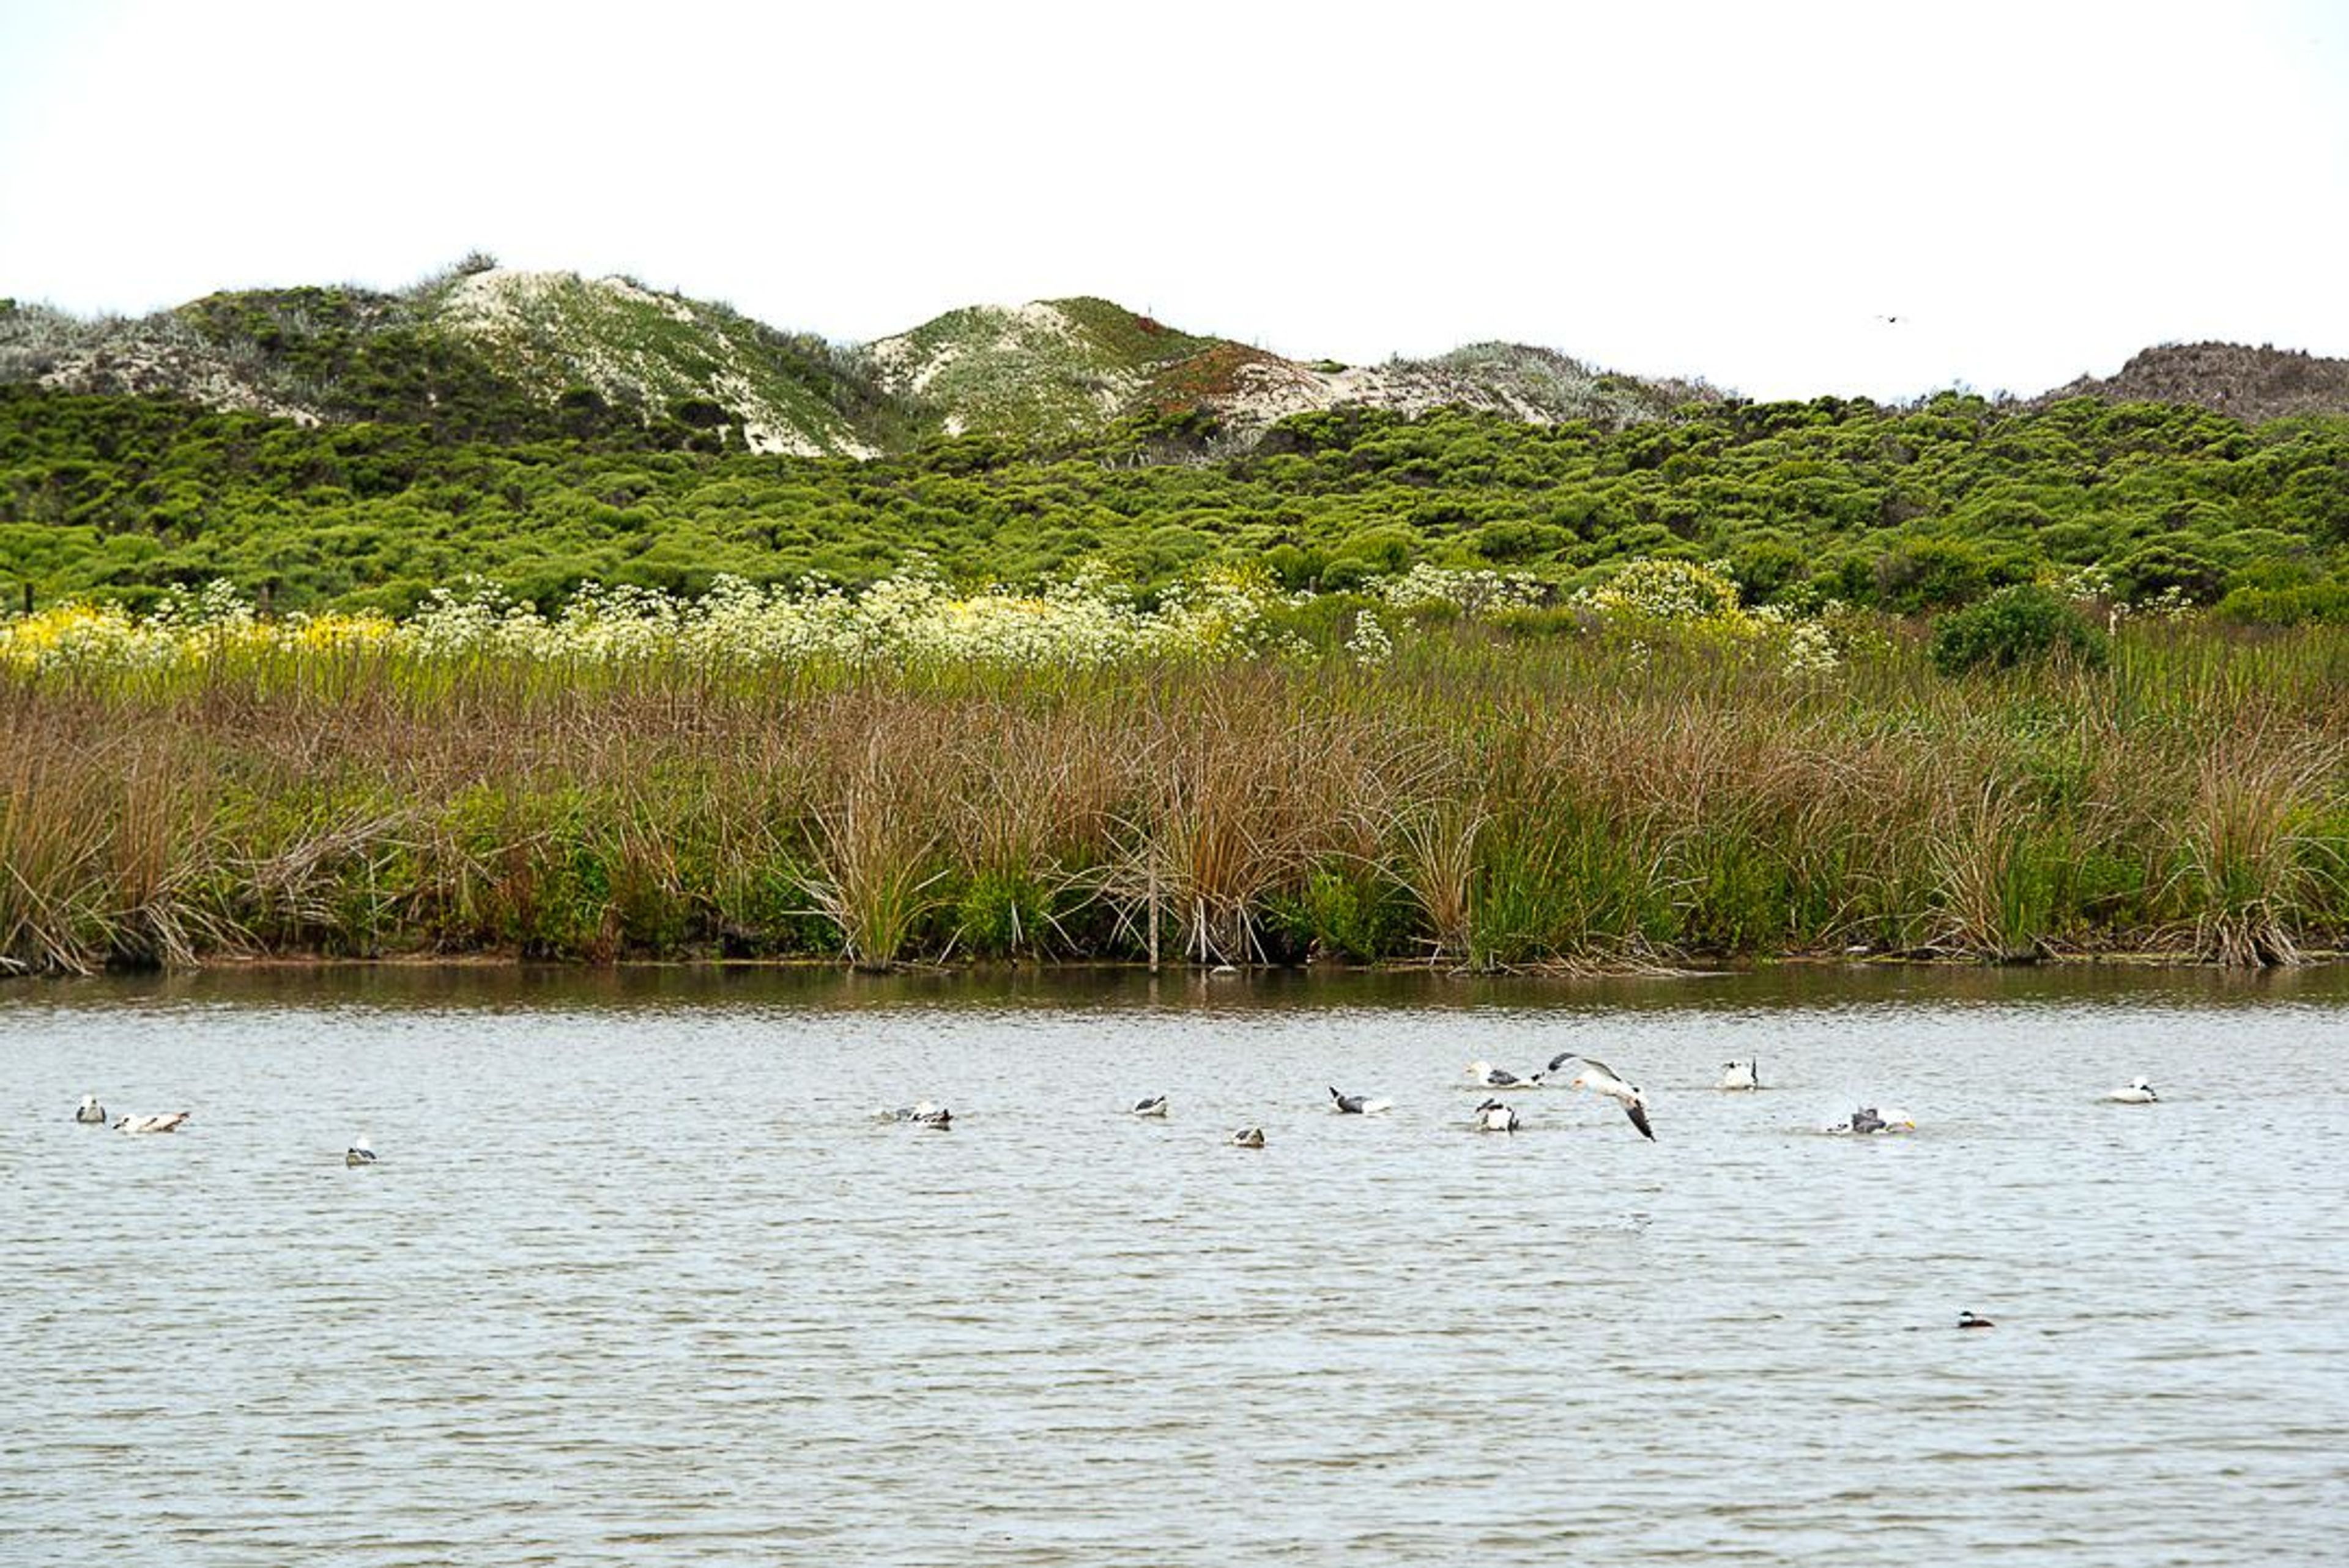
{"x": 1474, "y": 800}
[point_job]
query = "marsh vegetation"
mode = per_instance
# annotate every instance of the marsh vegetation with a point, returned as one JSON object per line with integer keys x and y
{"x": 1239, "y": 776}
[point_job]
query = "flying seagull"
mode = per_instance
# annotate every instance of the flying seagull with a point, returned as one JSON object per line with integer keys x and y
{"x": 1358, "y": 1104}
{"x": 1599, "y": 1079}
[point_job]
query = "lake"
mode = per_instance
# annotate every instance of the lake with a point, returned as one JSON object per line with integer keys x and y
{"x": 639, "y": 1279}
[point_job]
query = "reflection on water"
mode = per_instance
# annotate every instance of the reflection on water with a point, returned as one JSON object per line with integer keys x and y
{"x": 637, "y": 1279}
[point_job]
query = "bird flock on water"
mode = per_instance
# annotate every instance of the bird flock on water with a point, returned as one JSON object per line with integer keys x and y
{"x": 1492, "y": 1114}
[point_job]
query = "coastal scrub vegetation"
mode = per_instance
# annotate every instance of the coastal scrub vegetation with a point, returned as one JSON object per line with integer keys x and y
{"x": 1960, "y": 679}
{"x": 1911, "y": 511}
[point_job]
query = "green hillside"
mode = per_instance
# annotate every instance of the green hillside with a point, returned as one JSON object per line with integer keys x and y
{"x": 481, "y": 352}
{"x": 1908, "y": 508}
{"x": 1057, "y": 367}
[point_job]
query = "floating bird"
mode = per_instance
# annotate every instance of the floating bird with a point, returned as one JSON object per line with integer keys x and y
{"x": 91, "y": 1113}
{"x": 921, "y": 1113}
{"x": 939, "y": 1119}
{"x": 1154, "y": 1106}
{"x": 1494, "y": 1117}
{"x": 1741, "y": 1075}
{"x": 1249, "y": 1138}
{"x": 1968, "y": 1320}
{"x": 166, "y": 1122}
{"x": 1358, "y": 1104}
{"x": 2137, "y": 1092}
{"x": 360, "y": 1152}
{"x": 1868, "y": 1119}
{"x": 1601, "y": 1078}
{"x": 1486, "y": 1076}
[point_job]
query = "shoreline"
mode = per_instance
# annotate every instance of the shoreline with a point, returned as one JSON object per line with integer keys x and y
{"x": 1696, "y": 969}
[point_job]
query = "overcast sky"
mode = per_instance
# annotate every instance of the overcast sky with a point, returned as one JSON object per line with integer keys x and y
{"x": 1783, "y": 199}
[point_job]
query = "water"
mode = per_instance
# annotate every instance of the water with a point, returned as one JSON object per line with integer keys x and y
{"x": 637, "y": 1281}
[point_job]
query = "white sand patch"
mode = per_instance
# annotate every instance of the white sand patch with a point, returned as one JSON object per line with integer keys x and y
{"x": 939, "y": 364}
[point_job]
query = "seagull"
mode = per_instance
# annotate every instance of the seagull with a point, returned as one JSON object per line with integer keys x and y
{"x": 1968, "y": 1320}
{"x": 1494, "y": 1117}
{"x": 360, "y": 1152}
{"x": 1487, "y": 1076}
{"x": 1249, "y": 1138}
{"x": 91, "y": 1113}
{"x": 166, "y": 1122}
{"x": 1154, "y": 1106}
{"x": 939, "y": 1119}
{"x": 921, "y": 1112}
{"x": 1599, "y": 1079}
{"x": 2137, "y": 1092}
{"x": 1741, "y": 1075}
{"x": 1359, "y": 1105}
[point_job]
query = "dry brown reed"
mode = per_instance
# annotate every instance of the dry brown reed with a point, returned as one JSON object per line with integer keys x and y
{"x": 877, "y": 820}
{"x": 2248, "y": 868}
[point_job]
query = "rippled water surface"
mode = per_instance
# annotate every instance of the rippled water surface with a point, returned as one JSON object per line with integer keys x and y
{"x": 637, "y": 1279}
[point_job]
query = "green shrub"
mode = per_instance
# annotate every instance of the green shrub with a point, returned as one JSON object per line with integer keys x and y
{"x": 2017, "y": 625}
{"x": 2325, "y": 604}
{"x": 2152, "y": 569}
{"x": 1931, "y": 574}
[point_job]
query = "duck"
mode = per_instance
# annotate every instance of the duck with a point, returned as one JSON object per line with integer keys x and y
{"x": 1494, "y": 1117}
{"x": 1249, "y": 1138}
{"x": 164, "y": 1121}
{"x": 1485, "y": 1075}
{"x": 2136, "y": 1091}
{"x": 1357, "y": 1104}
{"x": 1969, "y": 1320}
{"x": 91, "y": 1113}
{"x": 1154, "y": 1106}
{"x": 1741, "y": 1075}
{"x": 1868, "y": 1119}
{"x": 1599, "y": 1079}
{"x": 360, "y": 1152}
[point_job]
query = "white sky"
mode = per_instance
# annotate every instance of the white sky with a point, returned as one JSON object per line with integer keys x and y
{"x": 1738, "y": 191}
